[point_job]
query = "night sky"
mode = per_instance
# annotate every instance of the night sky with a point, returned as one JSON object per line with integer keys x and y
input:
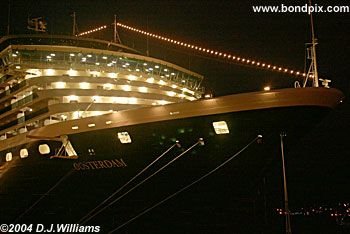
{"x": 228, "y": 25}
{"x": 321, "y": 172}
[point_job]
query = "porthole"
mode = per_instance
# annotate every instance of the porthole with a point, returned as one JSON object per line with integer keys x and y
{"x": 23, "y": 153}
{"x": 124, "y": 137}
{"x": 8, "y": 156}
{"x": 44, "y": 149}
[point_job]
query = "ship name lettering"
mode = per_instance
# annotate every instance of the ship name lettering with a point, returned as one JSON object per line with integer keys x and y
{"x": 99, "y": 164}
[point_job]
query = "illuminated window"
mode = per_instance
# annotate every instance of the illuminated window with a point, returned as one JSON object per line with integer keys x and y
{"x": 49, "y": 72}
{"x": 23, "y": 153}
{"x": 143, "y": 89}
{"x": 162, "y": 82}
{"x": 44, "y": 149}
{"x": 132, "y": 100}
{"x": 126, "y": 87}
{"x": 221, "y": 127}
{"x": 73, "y": 98}
{"x": 72, "y": 72}
{"x": 150, "y": 80}
{"x": 124, "y": 137}
{"x": 112, "y": 75}
{"x": 163, "y": 102}
{"x": 59, "y": 85}
{"x": 132, "y": 77}
{"x": 171, "y": 93}
{"x": 107, "y": 86}
{"x": 8, "y": 156}
{"x": 96, "y": 98}
{"x": 84, "y": 85}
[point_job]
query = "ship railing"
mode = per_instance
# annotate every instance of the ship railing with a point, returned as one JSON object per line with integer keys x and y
{"x": 180, "y": 79}
{"x": 5, "y": 77}
{"x": 22, "y": 122}
{"x": 13, "y": 89}
{"x": 120, "y": 76}
{"x": 121, "y": 63}
{"x": 19, "y": 103}
{"x": 4, "y": 93}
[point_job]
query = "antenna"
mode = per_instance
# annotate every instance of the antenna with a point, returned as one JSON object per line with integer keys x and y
{"x": 116, "y": 38}
{"x": 312, "y": 72}
{"x": 75, "y": 26}
{"x": 8, "y": 17}
{"x": 147, "y": 41}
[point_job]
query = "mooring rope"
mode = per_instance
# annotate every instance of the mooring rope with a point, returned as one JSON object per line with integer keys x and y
{"x": 128, "y": 182}
{"x": 45, "y": 194}
{"x": 187, "y": 186}
{"x": 200, "y": 141}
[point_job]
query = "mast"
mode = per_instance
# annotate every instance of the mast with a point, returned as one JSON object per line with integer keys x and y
{"x": 315, "y": 80}
{"x": 147, "y": 40}
{"x": 312, "y": 72}
{"x": 286, "y": 207}
{"x": 75, "y": 26}
{"x": 116, "y": 38}
{"x": 8, "y": 17}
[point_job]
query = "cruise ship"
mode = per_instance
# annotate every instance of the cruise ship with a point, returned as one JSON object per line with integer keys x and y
{"x": 93, "y": 132}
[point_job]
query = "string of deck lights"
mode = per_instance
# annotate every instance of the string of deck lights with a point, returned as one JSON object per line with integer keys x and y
{"x": 212, "y": 52}
{"x": 216, "y": 53}
{"x": 92, "y": 31}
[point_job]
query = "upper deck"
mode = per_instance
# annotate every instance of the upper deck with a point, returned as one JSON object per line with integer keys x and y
{"x": 62, "y": 77}
{"x": 67, "y": 52}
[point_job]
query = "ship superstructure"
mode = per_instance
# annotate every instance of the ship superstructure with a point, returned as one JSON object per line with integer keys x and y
{"x": 47, "y": 79}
